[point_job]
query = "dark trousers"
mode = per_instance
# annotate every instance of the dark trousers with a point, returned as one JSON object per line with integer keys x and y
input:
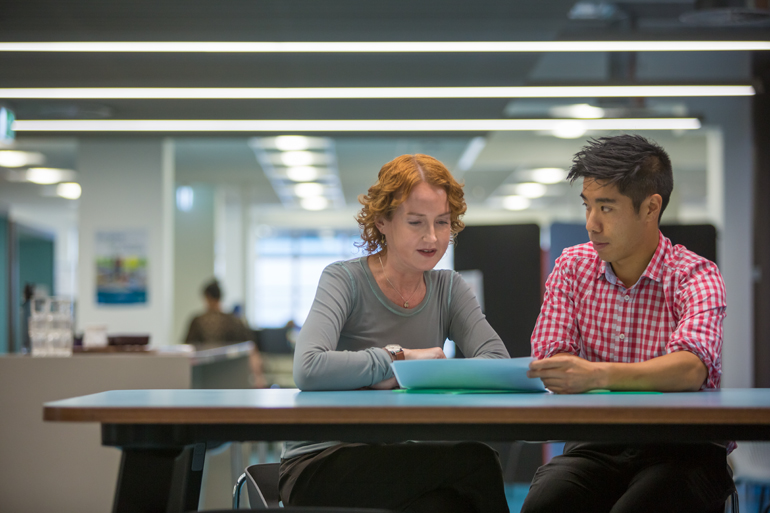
{"x": 592, "y": 477}
{"x": 422, "y": 477}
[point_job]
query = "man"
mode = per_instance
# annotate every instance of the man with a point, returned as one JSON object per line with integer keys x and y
{"x": 214, "y": 327}
{"x": 629, "y": 311}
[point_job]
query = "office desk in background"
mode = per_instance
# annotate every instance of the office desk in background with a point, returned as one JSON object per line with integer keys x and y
{"x": 64, "y": 468}
{"x": 163, "y": 433}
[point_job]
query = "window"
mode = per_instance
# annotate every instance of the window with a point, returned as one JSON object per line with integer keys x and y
{"x": 288, "y": 266}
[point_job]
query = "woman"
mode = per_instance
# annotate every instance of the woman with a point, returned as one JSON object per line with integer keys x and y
{"x": 389, "y": 306}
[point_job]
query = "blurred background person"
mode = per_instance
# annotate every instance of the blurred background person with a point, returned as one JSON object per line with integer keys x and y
{"x": 215, "y": 328}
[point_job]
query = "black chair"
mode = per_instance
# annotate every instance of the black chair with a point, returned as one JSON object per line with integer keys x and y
{"x": 262, "y": 486}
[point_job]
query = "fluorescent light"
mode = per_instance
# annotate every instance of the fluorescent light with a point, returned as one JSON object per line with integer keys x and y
{"x": 516, "y": 203}
{"x": 314, "y": 203}
{"x": 382, "y": 46}
{"x": 302, "y": 173}
{"x": 344, "y": 125}
{"x": 308, "y": 189}
{"x": 291, "y": 142}
{"x": 297, "y": 158}
{"x": 68, "y": 190}
{"x": 11, "y": 158}
{"x": 548, "y": 175}
{"x": 269, "y": 93}
{"x": 46, "y": 175}
{"x": 530, "y": 190}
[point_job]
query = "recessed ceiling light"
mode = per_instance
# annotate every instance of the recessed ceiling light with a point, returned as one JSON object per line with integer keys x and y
{"x": 530, "y": 190}
{"x": 47, "y": 175}
{"x": 68, "y": 190}
{"x": 302, "y": 173}
{"x": 297, "y": 158}
{"x": 308, "y": 190}
{"x": 291, "y": 142}
{"x": 345, "y": 125}
{"x": 516, "y": 203}
{"x": 578, "y": 110}
{"x": 314, "y": 203}
{"x": 14, "y": 158}
{"x": 288, "y": 93}
{"x": 569, "y": 129}
{"x": 548, "y": 175}
{"x": 383, "y": 46}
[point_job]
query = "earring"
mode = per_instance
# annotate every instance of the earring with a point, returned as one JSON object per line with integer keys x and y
{"x": 383, "y": 242}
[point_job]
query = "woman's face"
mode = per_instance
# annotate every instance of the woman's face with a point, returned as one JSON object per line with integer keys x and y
{"x": 418, "y": 234}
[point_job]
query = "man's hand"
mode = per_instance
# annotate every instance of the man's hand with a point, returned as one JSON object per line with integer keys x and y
{"x": 431, "y": 353}
{"x": 567, "y": 374}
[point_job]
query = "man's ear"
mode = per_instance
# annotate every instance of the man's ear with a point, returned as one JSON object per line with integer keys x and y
{"x": 652, "y": 206}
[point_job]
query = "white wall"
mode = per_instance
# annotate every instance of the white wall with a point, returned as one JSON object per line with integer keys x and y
{"x": 193, "y": 258}
{"x": 230, "y": 246}
{"x": 128, "y": 184}
{"x": 735, "y": 240}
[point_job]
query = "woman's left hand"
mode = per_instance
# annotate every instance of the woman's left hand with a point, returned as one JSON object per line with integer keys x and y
{"x": 386, "y": 384}
{"x": 431, "y": 353}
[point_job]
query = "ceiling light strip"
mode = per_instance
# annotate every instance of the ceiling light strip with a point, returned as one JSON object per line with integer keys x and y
{"x": 288, "y": 93}
{"x": 382, "y": 46}
{"x": 344, "y": 125}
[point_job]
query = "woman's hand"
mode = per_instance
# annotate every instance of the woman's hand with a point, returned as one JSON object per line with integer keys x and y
{"x": 386, "y": 384}
{"x": 431, "y": 353}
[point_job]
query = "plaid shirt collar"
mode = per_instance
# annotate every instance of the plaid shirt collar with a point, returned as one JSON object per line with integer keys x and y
{"x": 654, "y": 270}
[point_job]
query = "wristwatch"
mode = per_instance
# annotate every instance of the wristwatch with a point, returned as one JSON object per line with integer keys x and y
{"x": 396, "y": 352}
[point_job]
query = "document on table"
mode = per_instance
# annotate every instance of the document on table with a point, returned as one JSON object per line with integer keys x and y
{"x": 467, "y": 374}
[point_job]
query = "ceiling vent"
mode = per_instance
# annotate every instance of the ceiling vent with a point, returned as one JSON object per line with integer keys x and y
{"x": 728, "y": 13}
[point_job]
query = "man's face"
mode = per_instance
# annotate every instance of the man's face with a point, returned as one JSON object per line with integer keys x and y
{"x": 614, "y": 227}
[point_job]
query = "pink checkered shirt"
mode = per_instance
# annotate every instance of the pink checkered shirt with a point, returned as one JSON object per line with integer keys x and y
{"x": 678, "y": 304}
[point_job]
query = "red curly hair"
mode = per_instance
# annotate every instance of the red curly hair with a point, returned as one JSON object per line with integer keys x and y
{"x": 395, "y": 182}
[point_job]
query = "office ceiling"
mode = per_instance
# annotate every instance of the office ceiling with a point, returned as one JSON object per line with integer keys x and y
{"x": 227, "y": 160}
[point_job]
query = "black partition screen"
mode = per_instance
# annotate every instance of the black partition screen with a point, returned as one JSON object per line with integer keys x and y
{"x": 509, "y": 258}
{"x": 698, "y": 238}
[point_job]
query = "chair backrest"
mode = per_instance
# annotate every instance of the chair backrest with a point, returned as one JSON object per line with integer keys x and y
{"x": 751, "y": 462}
{"x": 262, "y": 485}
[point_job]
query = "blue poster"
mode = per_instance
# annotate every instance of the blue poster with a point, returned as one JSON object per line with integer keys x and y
{"x": 121, "y": 267}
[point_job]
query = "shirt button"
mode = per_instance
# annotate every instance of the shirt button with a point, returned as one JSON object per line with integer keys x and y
{"x": 627, "y": 297}
{"x": 622, "y": 337}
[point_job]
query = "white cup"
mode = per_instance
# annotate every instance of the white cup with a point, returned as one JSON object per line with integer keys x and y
{"x": 95, "y": 336}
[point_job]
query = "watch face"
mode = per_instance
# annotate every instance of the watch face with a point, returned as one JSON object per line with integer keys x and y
{"x": 394, "y": 348}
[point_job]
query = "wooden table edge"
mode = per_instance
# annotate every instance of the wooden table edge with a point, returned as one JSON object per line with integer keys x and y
{"x": 407, "y": 415}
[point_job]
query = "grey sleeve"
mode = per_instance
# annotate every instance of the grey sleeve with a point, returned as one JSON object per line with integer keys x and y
{"x": 317, "y": 363}
{"x": 468, "y": 326}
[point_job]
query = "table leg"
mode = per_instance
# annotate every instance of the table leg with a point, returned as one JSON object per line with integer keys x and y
{"x": 160, "y": 480}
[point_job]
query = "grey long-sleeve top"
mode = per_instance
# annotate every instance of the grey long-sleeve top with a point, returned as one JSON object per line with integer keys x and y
{"x": 339, "y": 347}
